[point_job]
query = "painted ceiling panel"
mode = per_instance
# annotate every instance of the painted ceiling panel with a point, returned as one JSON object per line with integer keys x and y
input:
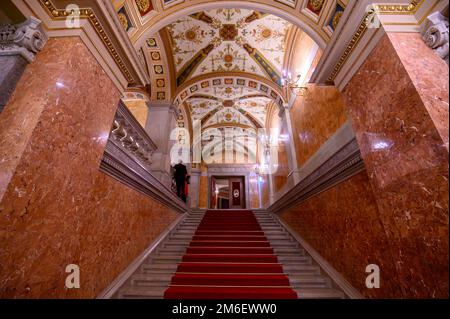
{"x": 229, "y": 40}
{"x": 229, "y": 104}
{"x": 228, "y": 115}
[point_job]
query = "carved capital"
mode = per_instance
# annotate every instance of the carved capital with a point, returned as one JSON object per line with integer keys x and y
{"x": 435, "y": 34}
{"x": 25, "y": 39}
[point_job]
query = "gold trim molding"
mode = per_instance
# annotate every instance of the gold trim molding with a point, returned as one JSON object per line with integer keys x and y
{"x": 410, "y": 8}
{"x": 88, "y": 13}
{"x": 383, "y": 9}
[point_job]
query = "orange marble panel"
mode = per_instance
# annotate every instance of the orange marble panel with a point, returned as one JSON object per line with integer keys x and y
{"x": 139, "y": 109}
{"x": 315, "y": 117}
{"x": 58, "y": 209}
{"x": 429, "y": 75}
{"x": 282, "y": 172}
{"x": 254, "y": 193}
{"x": 265, "y": 190}
{"x": 344, "y": 226}
{"x": 406, "y": 158}
{"x": 203, "y": 188}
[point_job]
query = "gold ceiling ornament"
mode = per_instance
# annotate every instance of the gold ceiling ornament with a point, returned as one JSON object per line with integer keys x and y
{"x": 316, "y": 4}
{"x": 88, "y": 13}
{"x": 143, "y": 5}
{"x": 410, "y": 8}
{"x": 123, "y": 20}
{"x": 337, "y": 17}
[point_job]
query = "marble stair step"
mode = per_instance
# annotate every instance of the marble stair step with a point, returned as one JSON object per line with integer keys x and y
{"x": 281, "y": 243}
{"x": 171, "y": 249}
{"x": 294, "y": 260}
{"x": 192, "y": 228}
{"x": 317, "y": 293}
{"x": 289, "y": 251}
{"x": 166, "y": 259}
{"x": 142, "y": 292}
{"x": 306, "y": 281}
{"x": 278, "y": 237}
{"x": 180, "y": 231}
{"x": 182, "y": 236}
{"x": 301, "y": 269}
{"x": 266, "y": 228}
{"x": 156, "y": 267}
{"x": 159, "y": 280}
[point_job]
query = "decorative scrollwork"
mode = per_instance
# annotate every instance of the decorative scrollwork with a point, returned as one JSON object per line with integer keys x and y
{"x": 25, "y": 39}
{"x": 435, "y": 33}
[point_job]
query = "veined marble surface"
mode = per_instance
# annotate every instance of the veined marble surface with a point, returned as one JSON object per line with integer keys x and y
{"x": 406, "y": 160}
{"x": 58, "y": 209}
{"x": 316, "y": 116}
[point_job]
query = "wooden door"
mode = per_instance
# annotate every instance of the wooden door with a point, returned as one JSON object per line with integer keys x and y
{"x": 237, "y": 193}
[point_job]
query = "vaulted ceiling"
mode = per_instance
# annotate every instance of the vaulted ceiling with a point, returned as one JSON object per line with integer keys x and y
{"x": 225, "y": 42}
{"x": 222, "y": 67}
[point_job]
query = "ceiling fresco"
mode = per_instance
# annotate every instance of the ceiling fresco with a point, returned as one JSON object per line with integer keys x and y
{"x": 224, "y": 40}
{"x": 228, "y": 104}
{"x": 224, "y": 67}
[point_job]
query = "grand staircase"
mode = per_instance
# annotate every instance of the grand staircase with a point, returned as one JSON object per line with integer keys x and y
{"x": 229, "y": 255}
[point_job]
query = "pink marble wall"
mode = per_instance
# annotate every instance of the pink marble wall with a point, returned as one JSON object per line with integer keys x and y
{"x": 399, "y": 130}
{"x": 282, "y": 171}
{"x": 343, "y": 224}
{"x": 315, "y": 117}
{"x": 429, "y": 74}
{"x": 254, "y": 192}
{"x": 57, "y": 208}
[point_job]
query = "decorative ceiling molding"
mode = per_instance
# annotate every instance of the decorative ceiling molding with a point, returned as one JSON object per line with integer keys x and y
{"x": 158, "y": 65}
{"x": 357, "y": 35}
{"x": 177, "y": 11}
{"x": 231, "y": 125}
{"x": 104, "y": 20}
{"x": 228, "y": 40}
{"x": 269, "y": 89}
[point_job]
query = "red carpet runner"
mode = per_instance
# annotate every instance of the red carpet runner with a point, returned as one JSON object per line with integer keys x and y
{"x": 229, "y": 257}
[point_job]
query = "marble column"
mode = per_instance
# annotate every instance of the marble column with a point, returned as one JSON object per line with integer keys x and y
{"x": 194, "y": 187}
{"x": 53, "y": 133}
{"x": 293, "y": 177}
{"x": 398, "y": 105}
{"x": 18, "y": 46}
{"x": 160, "y": 123}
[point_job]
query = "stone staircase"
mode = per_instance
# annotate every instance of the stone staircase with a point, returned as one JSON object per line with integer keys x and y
{"x": 154, "y": 275}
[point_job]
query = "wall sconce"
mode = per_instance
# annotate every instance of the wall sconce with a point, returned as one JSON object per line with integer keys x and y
{"x": 288, "y": 82}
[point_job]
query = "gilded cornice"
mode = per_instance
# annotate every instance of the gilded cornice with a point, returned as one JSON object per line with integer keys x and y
{"x": 382, "y": 9}
{"x": 88, "y": 13}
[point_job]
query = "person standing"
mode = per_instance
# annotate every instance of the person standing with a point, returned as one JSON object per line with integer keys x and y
{"x": 180, "y": 175}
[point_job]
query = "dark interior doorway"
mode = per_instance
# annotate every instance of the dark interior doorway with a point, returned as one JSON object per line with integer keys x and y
{"x": 227, "y": 192}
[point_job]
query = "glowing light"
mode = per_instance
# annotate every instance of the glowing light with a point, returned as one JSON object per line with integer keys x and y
{"x": 380, "y": 145}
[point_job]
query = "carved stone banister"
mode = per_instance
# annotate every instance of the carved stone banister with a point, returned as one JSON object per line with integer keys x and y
{"x": 128, "y": 158}
{"x": 128, "y": 134}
